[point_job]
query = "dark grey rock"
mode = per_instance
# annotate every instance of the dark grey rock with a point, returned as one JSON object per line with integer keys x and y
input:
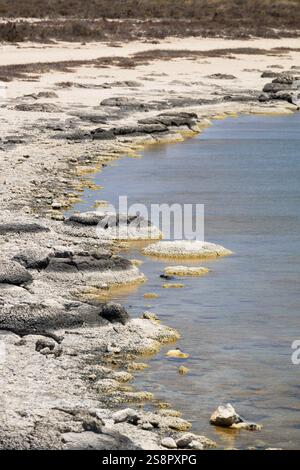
{"x": 38, "y": 107}
{"x": 264, "y": 97}
{"x": 171, "y": 119}
{"x": 284, "y": 78}
{"x": 86, "y": 218}
{"x": 33, "y": 258}
{"x": 121, "y": 84}
{"x": 21, "y": 227}
{"x": 274, "y": 87}
{"x": 45, "y": 343}
{"x": 143, "y": 128}
{"x": 269, "y": 74}
{"x": 284, "y": 96}
{"x": 122, "y": 101}
{"x": 93, "y": 425}
{"x": 14, "y": 273}
{"x": 114, "y": 313}
{"x": 279, "y": 95}
{"x": 167, "y": 277}
{"x": 25, "y": 318}
{"x": 222, "y": 76}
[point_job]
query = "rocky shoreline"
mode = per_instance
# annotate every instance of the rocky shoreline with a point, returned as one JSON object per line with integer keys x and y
{"x": 67, "y": 357}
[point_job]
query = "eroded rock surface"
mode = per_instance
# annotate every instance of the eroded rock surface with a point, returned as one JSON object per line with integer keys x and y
{"x": 186, "y": 249}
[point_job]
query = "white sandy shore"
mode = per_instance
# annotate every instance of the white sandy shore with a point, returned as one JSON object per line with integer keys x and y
{"x": 27, "y": 52}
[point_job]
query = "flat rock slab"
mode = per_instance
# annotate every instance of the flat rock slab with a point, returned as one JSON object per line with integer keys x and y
{"x": 186, "y": 249}
{"x": 186, "y": 271}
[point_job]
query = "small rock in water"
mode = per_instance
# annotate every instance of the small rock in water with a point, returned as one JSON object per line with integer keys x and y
{"x": 186, "y": 271}
{"x": 151, "y": 295}
{"x": 183, "y": 370}
{"x": 247, "y": 426}
{"x": 167, "y": 277}
{"x": 226, "y": 416}
{"x": 114, "y": 313}
{"x": 136, "y": 262}
{"x": 169, "y": 443}
{"x": 177, "y": 353}
{"x": 137, "y": 366}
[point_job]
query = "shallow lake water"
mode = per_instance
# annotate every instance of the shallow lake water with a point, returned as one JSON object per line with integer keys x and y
{"x": 239, "y": 321}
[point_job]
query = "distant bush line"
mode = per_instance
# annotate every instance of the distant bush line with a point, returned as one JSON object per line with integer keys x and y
{"x": 92, "y": 19}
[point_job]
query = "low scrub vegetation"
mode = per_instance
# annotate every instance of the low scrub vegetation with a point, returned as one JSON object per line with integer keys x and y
{"x": 152, "y": 19}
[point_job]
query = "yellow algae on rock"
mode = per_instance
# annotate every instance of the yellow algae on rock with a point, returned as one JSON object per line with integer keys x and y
{"x": 138, "y": 396}
{"x": 186, "y": 271}
{"x": 183, "y": 370}
{"x": 101, "y": 203}
{"x": 163, "y": 405}
{"x": 168, "y": 285}
{"x": 150, "y": 316}
{"x": 136, "y": 366}
{"x": 179, "y": 424}
{"x": 177, "y": 353}
{"x": 151, "y": 295}
{"x": 170, "y": 412}
{"x": 136, "y": 262}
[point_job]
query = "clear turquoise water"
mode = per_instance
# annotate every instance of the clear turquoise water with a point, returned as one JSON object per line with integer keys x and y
{"x": 238, "y": 322}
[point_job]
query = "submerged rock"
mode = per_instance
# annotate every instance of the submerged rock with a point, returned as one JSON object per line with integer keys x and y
{"x": 151, "y": 295}
{"x": 186, "y": 271}
{"x": 186, "y": 249}
{"x": 177, "y": 353}
{"x": 183, "y": 370}
{"x": 169, "y": 285}
{"x": 167, "y": 277}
